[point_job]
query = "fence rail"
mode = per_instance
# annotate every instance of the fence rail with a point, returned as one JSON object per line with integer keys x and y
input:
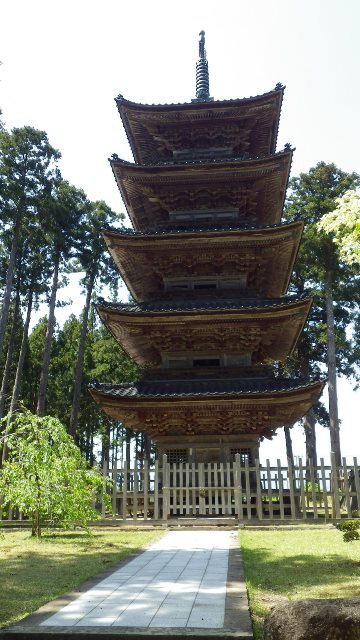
{"x": 233, "y": 489}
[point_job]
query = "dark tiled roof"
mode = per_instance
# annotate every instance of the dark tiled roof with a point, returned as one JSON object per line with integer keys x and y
{"x": 159, "y": 306}
{"x": 121, "y": 100}
{"x": 126, "y": 231}
{"x": 175, "y": 388}
{"x": 203, "y": 161}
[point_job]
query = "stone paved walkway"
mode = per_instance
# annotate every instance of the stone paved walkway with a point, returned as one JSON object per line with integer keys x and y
{"x": 187, "y": 580}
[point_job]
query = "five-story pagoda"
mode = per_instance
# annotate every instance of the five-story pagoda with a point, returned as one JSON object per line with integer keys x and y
{"x": 208, "y": 265}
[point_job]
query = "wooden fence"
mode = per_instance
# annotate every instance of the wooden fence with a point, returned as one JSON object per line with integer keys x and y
{"x": 233, "y": 490}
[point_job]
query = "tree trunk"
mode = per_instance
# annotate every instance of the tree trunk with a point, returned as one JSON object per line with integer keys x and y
{"x": 105, "y": 448}
{"x": 147, "y": 448}
{"x": 128, "y": 437}
{"x": 9, "y": 280}
{"x": 289, "y": 449}
{"x": 310, "y": 439}
{"x": 10, "y": 352}
{"x": 20, "y": 367}
{"x": 331, "y": 363}
{"x": 44, "y": 377}
{"x": 80, "y": 361}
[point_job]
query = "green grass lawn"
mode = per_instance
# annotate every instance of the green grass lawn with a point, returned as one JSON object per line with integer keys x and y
{"x": 307, "y": 562}
{"x": 32, "y": 571}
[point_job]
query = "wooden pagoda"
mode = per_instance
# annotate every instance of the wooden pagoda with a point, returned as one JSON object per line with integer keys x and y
{"x": 207, "y": 264}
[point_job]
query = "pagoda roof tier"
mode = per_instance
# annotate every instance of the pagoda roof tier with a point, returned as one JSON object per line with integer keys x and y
{"x": 170, "y": 195}
{"x": 206, "y": 407}
{"x": 259, "y": 260}
{"x": 227, "y": 330}
{"x": 232, "y": 127}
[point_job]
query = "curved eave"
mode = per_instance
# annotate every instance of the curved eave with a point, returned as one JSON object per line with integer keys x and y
{"x": 138, "y": 110}
{"x": 195, "y": 308}
{"x": 164, "y": 414}
{"x": 132, "y": 178}
{"x": 128, "y": 392}
{"x": 269, "y": 333}
{"x": 139, "y": 250}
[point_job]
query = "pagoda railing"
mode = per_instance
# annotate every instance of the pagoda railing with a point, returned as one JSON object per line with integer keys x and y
{"x": 238, "y": 491}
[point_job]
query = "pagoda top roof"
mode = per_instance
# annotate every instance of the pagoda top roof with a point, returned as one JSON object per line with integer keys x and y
{"x": 195, "y": 106}
{"x": 161, "y": 131}
{"x": 204, "y": 387}
{"x": 194, "y": 305}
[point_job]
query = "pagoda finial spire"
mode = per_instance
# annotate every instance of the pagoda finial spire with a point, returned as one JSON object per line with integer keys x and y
{"x": 202, "y": 73}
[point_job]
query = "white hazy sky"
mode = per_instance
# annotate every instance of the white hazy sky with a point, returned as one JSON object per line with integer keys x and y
{"x": 64, "y": 62}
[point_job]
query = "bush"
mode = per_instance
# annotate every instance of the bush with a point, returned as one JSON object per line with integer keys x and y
{"x": 46, "y": 476}
{"x": 350, "y": 529}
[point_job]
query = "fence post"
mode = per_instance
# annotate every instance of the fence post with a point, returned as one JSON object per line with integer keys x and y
{"x": 105, "y": 470}
{"x": 114, "y": 488}
{"x": 313, "y": 490}
{"x": 302, "y": 489}
{"x": 346, "y": 496}
{"x": 237, "y": 488}
{"x": 135, "y": 491}
{"x": 145, "y": 488}
{"x": 335, "y": 487}
{"x": 356, "y": 502}
{"x": 269, "y": 491}
{"x": 156, "y": 491}
{"x": 247, "y": 488}
{"x": 291, "y": 477}
{"x": 258, "y": 490}
{"x": 124, "y": 489}
{"x": 281, "y": 493}
{"x": 166, "y": 488}
{"x": 324, "y": 488}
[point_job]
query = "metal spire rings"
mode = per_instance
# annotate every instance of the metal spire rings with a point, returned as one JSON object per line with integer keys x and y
{"x": 202, "y": 73}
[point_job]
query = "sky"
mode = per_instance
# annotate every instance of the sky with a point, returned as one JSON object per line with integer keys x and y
{"x": 64, "y": 62}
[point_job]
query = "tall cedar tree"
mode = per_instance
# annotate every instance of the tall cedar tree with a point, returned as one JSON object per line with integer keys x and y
{"x": 34, "y": 282}
{"x": 28, "y": 168}
{"x": 334, "y": 285}
{"x": 62, "y": 216}
{"x": 99, "y": 269}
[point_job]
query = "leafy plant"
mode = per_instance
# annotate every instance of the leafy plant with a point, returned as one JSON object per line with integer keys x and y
{"x": 46, "y": 476}
{"x": 350, "y": 529}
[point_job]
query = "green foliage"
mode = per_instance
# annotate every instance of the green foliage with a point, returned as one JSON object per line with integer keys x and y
{"x": 350, "y": 529}
{"x": 350, "y": 536}
{"x": 344, "y": 225}
{"x": 45, "y": 475}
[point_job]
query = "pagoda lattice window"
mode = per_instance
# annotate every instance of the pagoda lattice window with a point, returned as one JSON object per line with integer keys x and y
{"x": 177, "y": 456}
{"x": 245, "y": 455}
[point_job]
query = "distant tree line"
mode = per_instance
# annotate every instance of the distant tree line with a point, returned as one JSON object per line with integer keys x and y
{"x": 50, "y": 229}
